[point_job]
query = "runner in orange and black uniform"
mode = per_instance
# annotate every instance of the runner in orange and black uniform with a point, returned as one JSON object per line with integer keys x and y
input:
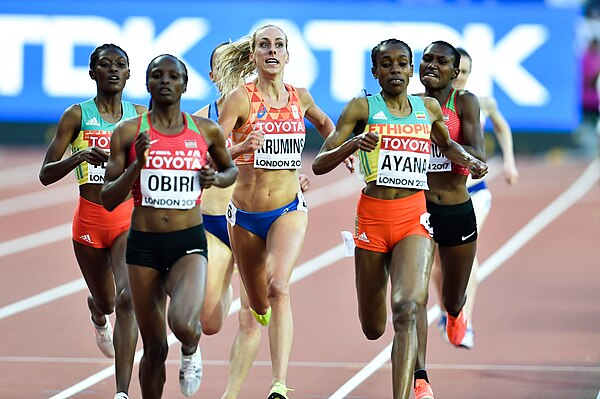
{"x": 392, "y": 239}
{"x": 161, "y": 157}
{"x": 448, "y": 201}
{"x": 99, "y": 236}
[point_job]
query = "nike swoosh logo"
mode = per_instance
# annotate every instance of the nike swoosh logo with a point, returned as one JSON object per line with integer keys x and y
{"x": 465, "y": 237}
{"x": 153, "y": 141}
{"x": 193, "y": 251}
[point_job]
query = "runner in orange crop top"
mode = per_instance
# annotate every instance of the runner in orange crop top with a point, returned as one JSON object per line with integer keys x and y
{"x": 391, "y": 215}
{"x": 99, "y": 236}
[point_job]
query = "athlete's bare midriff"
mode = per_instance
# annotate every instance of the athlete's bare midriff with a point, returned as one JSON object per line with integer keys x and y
{"x": 447, "y": 188}
{"x": 261, "y": 190}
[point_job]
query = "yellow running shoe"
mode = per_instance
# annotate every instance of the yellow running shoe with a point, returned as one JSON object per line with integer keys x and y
{"x": 263, "y": 319}
{"x": 278, "y": 390}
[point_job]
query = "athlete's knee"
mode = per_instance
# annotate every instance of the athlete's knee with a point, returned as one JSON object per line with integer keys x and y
{"x": 404, "y": 313}
{"x": 212, "y": 325}
{"x": 372, "y": 331}
{"x": 248, "y": 324}
{"x": 156, "y": 352}
{"x": 186, "y": 330}
{"x": 124, "y": 302}
{"x": 106, "y": 305}
{"x": 278, "y": 289}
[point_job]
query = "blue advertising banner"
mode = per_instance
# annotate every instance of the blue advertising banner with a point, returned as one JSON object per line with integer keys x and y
{"x": 522, "y": 55}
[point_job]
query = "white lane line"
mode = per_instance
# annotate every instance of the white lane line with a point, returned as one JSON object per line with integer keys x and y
{"x": 563, "y": 202}
{"x": 300, "y": 272}
{"x": 20, "y": 175}
{"x": 583, "y": 184}
{"x": 43, "y": 298}
{"x": 34, "y": 240}
{"x": 38, "y": 199}
{"x": 317, "y": 365}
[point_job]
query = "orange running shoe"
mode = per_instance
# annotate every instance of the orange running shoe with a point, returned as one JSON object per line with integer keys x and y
{"x": 423, "y": 390}
{"x": 456, "y": 328}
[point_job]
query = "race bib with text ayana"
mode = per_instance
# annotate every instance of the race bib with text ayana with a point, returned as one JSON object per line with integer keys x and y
{"x": 403, "y": 156}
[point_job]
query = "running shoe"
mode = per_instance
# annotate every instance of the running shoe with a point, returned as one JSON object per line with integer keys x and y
{"x": 279, "y": 391}
{"x": 104, "y": 338}
{"x": 456, "y": 328}
{"x": 469, "y": 339}
{"x": 263, "y": 319}
{"x": 423, "y": 390}
{"x": 121, "y": 395}
{"x": 190, "y": 373}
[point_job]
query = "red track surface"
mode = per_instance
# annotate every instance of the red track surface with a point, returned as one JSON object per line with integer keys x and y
{"x": 537, "y": 317}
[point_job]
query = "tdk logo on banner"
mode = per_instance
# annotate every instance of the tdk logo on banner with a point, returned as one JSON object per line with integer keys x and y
{"x": 348, "y": 43}
{"x": 330, "y": 55}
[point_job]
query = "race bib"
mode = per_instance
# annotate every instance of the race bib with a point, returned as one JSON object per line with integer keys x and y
{"x": 438, "y": 161}
{"x": 403, "y": 162}
{"x": 100, "y": 139}
{"x": 280, "y": 151}
{"x": 172, "y": 189}
{"x": 231, "y": 213}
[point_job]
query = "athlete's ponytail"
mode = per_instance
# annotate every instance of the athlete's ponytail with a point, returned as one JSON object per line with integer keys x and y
{"x": 233, "y": 64}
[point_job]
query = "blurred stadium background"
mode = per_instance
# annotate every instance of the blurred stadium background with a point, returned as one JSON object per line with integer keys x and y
{"x": 528, "y": 54}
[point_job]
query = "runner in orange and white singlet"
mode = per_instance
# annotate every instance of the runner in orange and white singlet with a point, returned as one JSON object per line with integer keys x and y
{"x": 392, "y": 238}
{"x": 161, "y": 157}
{"x": 99, "y": 236}
{"x": 219, "y": 291}
{"x": 267, "y": 213}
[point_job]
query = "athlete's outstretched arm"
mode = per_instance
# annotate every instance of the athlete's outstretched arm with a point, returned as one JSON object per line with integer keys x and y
{"x": 337, "y": 147}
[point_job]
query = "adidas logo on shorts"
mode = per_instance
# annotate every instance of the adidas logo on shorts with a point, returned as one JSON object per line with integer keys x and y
{"x": 363, "y": 237}
{"x": 86, "y": 238}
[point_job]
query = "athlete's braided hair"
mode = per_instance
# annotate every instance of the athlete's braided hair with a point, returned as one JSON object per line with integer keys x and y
{"x": 95, "y": 56}
{"x": 375, "y": 51}
{"x": 185, "y": 75}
